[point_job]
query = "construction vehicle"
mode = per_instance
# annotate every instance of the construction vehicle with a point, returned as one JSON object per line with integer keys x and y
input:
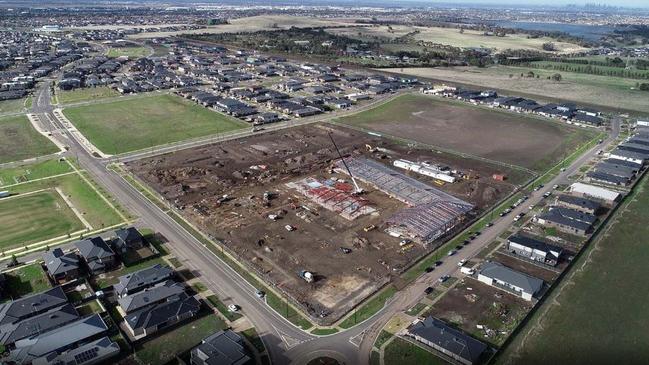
{"x": 307, "y": 276}
{"x": 369, "y": 228}
{"x": 289, "y": 228}
{"x": 273, "y": 217}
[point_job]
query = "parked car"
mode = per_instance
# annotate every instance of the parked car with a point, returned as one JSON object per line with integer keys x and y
{"x": 443, "y": 278}
{"x": 233, "y": 308}
{"x": 260, "y": 293}
{"x": 429, "y": 290}
{"x": 451, "y": 253}
{"x": 429, "y": 269}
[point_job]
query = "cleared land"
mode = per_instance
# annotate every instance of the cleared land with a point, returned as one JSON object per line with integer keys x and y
{"x": 128, "y": 125}
{"x": 453, "y": 37}
{"x": 195, "y": 179}
{"x": 130, "y": 52}
{"x": 20, "y": 141}
{"x": 602, "y": 306}
{"x": 78, "y": 95}
{"x": 11, "y": 106}
{"x": 256, "y": 23}
{"x": 612, "y": 92}
{"x": 35, "y": 217}
{"x": 496, "y": 135}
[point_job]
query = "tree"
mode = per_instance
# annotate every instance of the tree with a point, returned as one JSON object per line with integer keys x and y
{"x": 549, "y": 46}
{"x": 557, "y": 77}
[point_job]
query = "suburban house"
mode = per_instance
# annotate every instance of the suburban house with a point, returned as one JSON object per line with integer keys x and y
{"x": 606, "y": 178}
{"x": 61, "y": 267}
{"x": 58, "y": 316}
{"x": 579, "y": 204}
{"x": 39, "y": 348}
{"x": 99, "y": 257}
{"x": 594, "y": 192}
{"x": 20, "y": 309}
{"x": 142, "y": 279}
{"x": 626, "y": 155}
{"x": 127, "y": 239}
{"x": 156, "y": 317}
{"x": 150, "y": 296}
{"x": 91, "y": 353}
{"x": 534, "y": 249}
{"x": 568, "y": 220}
{"x": 512, "y": 281}
{"x": 447, "y": 340}
{"x": 225, "y": 347}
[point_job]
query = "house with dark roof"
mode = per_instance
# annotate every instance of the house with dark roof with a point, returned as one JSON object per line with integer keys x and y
{"x": 448, "y": 340}
{"x": 55, "y": 342}
{"x": 13, "y": 331}
{"x": 150, "y": 296}
{"x": 579, "y": 204}
{"x": 606, "y": 178}
{"x": 225, "y": 347}
{"x": 61, "y": 267}
{"x": 20, "y": 309}
{"x": 534, "y": 249}
{"x": 97, "y": 254}
{"x": 128, "y": 239}
{"x": 94, "y": 352}
{"x": 510, "y": 280}
{"x": 142, "y": 279}
{"x": 156, "y": 317}
{"x": 568, "y": 220}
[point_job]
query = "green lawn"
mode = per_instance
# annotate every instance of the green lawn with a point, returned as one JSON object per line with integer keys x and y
{"x": 165, "y": 347}
{"x": 602, "y": 306}
{"x": 12, "y": 106}
{"x": 28, "y": 172}
{"x": 93, "y": 208}
{"x": 369, "y": 308}
{"x": 130, "y": 52}
{"x": 134, "y": 124}
{"x": 27, "y": 280}
{"x": 78, "y": 95}
{"x": 19, "y": 140}
{"x": 324, "y": 331}
{"x": 402, "y": 352}
{"x": 35, "y": 217}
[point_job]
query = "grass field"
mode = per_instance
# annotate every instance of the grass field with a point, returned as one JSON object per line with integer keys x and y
{"x": 603, "y": 306}
{"x": 611, "y": 92}
{"x": 129, "y": 125}
{"x": 78, "y": 95}
{"x": 402, "y": 352}
{"x": 20, "y": 141}
{"x": 12, "y": 106}
{"x": 368, "y": 309}
{"x": 497, "y": 135}
{"x": 28, "y": 172}
{"x": 453, "y": 37}
{"x": 35, "y": 217}
{"x": 27, "y": 280}
{"x": 165, "y": 347}
{"x": 130, "y": 52}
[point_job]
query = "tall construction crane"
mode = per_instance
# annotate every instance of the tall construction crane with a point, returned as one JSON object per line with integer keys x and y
{"x": 357, "y": 189}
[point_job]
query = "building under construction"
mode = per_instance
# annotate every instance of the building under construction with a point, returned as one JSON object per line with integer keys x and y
{"x": 431, "y": 212}
{"x": 334, "y": 196}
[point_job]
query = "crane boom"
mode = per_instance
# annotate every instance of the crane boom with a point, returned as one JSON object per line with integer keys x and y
{"x": 358, "y": 189}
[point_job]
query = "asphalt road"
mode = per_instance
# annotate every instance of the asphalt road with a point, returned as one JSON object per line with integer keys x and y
{"x": 286, "y": 343}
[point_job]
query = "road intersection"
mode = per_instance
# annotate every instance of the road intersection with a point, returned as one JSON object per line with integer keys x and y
{"x": 286, "y": 343}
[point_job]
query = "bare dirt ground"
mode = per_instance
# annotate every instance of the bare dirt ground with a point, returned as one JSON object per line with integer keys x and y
{"x": 196, "y": 179}
{"x": 472, "y": 303}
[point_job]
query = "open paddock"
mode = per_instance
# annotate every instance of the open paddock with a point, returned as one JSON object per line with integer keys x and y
{"x": 493, "y": 134}
{"x": 19, "y": 140}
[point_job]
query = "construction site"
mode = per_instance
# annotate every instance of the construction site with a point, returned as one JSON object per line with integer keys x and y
{"x": 325, "y": 213}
